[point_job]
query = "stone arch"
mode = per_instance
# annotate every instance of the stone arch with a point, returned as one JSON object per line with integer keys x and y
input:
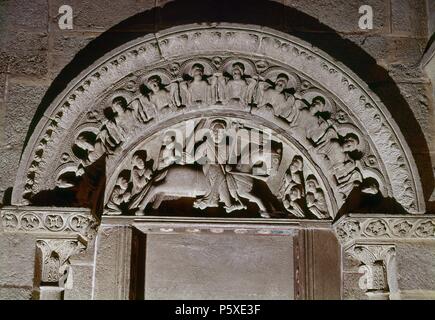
{"x": 269, "y": 13}
{"x": 346, "y": 108}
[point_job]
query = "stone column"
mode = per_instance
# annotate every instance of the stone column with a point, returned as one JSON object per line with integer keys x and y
{"x": 59, "y": 234}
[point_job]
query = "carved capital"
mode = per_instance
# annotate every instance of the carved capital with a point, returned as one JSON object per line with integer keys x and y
{"x": 52, "y": 266}
{"x": 374, "y": 259}
{"x": 54, "y": 257}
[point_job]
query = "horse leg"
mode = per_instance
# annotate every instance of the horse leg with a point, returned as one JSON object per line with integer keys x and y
{"x": 253, "y": 198}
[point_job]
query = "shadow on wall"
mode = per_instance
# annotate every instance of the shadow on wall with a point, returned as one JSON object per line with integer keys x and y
{"x": 265, "y": 13}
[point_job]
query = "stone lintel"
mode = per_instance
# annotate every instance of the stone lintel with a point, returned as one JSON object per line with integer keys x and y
{"x": 177, "y": 225}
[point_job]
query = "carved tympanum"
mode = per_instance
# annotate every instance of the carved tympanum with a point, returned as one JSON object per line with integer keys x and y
{"x": 232, "y": 165}
{"x": 332, "y": 139}
{"x": 275, "y": 94}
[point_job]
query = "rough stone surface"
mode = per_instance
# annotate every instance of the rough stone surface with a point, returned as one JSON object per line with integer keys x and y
{"x": 112, "y": 261}
{"x": 236, "y": 267}
{"x": 15, "y": 293}
{"x": 98, "y": 15}
{"x": 7, "y": 168}
{"x": 23, "y": 100}
{"x": 408, "y": 17}
{"x": 17, "y": 250}
{"x": 64, "y": 48}
{"x": 3, "y": 77}
{"x": 80, "y": 285}
{"x": 416, "y": 266}
{"x": 350, "y": 288}
{"x": 24, "y": 52}
{"x": 343, "y": 16}
{"x": 22, "y": 14}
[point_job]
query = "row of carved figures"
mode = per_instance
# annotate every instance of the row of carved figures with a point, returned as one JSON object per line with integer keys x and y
{"x": 199, "y": 89}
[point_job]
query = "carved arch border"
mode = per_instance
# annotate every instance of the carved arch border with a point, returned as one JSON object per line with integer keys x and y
{"x": 364, "y": 106}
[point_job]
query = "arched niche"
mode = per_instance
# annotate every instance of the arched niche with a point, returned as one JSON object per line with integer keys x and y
{"x": 260, "y": 77}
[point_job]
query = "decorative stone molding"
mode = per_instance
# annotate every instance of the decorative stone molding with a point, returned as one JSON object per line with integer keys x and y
{"x": 249, "y": 74}
{"x": 376, "y": 263}
{"x": 363, "y": 228}
{"x": 175, "y": 225}
{"x": 56, "y": 222}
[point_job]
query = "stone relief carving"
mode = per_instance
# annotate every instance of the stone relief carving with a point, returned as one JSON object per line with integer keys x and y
{"x": 360, "y": 227}
{"x": 376, "y": 261}
{"x": 151, "y": 177}
{"x": 301, "y": 193}
{"x": 66, "y": 221}
{"x": 198, "y": 88}
{"x": 349, "y": 139}
{"x": 55, "y": 254}
{"x": 309, "y": 112}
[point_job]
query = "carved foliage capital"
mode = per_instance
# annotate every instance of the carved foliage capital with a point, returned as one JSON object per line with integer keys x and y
{"x": 54, "y": 257}
{"x": 375, "y": 260}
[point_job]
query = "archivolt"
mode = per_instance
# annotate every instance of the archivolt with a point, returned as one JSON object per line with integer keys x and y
{"x": 319, "y": 108}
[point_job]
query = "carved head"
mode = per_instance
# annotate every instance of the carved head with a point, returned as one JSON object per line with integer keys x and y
{"x": 311, "y": 183}
{"x": 310, "y": 198}
{"x": 281, "y": 82}
{"x": 197, "y": 71}
{"x": 238, "y": 70}
{"x": 138, "y": 159}
{"x": 296, "y": 165}
{"x": 119, "y": 104}
{"x": 317, "y": 105}
{"x": 138, "y": 162}
{"x": 154, "y": 83}
{"x": 218, "y": 128}
{"x": 351, "y": 142}
{"x": 123, "y": 179}
{"x": 295, "y": 193}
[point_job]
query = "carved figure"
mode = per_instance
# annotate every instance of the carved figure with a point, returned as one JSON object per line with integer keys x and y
{"x": 164, "y": 98}
{"x": 344, "y": 155}
{"x": 236, "y": 87}
{"x": 316, "y": 201}
{"x": 114, "y": 129}
{"x": 121, "y": 193}
{"x": 197, "y": 90}
{"x": 277, "y": 95}
{"x": 222, "y": 185}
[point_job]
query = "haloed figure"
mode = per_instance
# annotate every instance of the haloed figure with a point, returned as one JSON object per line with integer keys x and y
{"x": 197, "y": 91}
{"x": 223, "y": 186}
{"x": 277, "y": 96}
{"x": 162, "y": 97}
